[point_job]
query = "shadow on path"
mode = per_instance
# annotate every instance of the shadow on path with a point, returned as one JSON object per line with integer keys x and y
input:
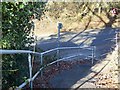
{"x": 67, "y": 78}
{"x": 82, "y": 30}
{"x": 104, "y": 42}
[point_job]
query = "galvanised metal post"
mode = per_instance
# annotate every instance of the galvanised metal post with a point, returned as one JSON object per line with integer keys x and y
{"x": 58, "y": 39}
{"x": 94, "y": 51}
{"x": 92, "y": 54}
{"x": 30, "y": 71}
{"x": 41, "y": 62}
{"x": 79, "y": 53}
{"x": 116, "y": 40}
{"x": 117, "y": 47}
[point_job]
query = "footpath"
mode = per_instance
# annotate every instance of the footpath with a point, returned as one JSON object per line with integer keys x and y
{"x": 104, "y": 74}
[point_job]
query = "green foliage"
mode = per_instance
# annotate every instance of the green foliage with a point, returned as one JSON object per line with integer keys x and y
{"x": 16, "y": 25}
{"x": 16, "y": 29}
{"x": 15, "y": 68}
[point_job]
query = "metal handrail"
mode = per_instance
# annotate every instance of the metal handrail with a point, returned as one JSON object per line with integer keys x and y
{"x": 78, "y": 47}
{"x": 31, "y": 78}
{"x": 3, "y": 51}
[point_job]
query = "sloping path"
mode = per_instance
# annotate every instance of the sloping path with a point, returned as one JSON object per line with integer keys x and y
{"x": 67, "y": 78}
{"x": 84, "y": 76}
{"x": 103, "y": 39}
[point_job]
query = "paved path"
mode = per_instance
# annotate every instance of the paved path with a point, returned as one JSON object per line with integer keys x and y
{"x": 80, "y": 76}
{"x": 67, "y": 78}
{"x": 103, "y": 39}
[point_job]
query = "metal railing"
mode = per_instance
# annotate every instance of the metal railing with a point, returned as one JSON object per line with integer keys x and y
{"x": 62, "y": 53}
{"x": 57, "y": 50}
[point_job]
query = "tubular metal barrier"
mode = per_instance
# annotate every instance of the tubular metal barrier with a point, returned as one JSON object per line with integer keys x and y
{"x": 64, "y": 54}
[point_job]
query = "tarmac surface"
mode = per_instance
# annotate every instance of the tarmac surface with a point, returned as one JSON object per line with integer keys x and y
{"x": 104, "y": 40}
{"x": 67, "y": 78}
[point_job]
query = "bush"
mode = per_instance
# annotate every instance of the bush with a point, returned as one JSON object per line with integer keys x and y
{"x": 16, "y": 29}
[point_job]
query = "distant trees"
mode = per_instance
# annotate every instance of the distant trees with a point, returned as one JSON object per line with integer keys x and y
{"x": 78, "y": 10}
{"x": 16, "y": 29}
{"x": 106, "y": 8}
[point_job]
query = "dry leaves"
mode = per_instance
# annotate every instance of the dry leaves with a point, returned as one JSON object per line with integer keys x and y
{"x": 50, "y": 71}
